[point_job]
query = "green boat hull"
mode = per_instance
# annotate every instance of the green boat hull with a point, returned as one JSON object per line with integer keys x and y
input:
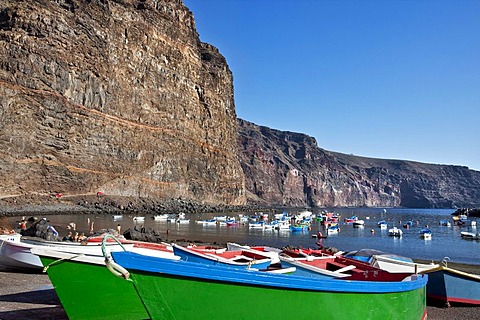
{"x": 90, "y": 291}
{"x": 171, "y": 297}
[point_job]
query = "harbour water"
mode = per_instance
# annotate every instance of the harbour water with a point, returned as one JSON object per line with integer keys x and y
{"x": 445, "y": 242}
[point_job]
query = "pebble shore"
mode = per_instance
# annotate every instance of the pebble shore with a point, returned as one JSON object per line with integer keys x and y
{"x": 31, "y": 296}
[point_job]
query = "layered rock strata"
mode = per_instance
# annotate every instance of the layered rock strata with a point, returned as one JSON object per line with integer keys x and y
{"x": 116, "y": 97}
{"x": 288, "y": 168}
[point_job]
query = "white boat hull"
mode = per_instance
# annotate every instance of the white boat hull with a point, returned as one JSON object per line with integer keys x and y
{"x": 399, "y": 266}
{"x": 16, "y": 255}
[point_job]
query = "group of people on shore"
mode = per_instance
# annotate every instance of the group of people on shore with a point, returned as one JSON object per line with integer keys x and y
{"x": 75, "y": 238}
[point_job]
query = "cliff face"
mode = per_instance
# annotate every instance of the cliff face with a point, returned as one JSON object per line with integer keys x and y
{"x": 287, "y": 168}
{"x": 121, "y": 97}
{"x": 114, "y": 96}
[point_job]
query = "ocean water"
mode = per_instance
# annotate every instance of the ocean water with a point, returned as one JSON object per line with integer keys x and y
{"x": 445, "y": 242}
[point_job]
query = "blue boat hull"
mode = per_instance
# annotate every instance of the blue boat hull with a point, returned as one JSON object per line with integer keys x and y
{"x": 448, "y": 286}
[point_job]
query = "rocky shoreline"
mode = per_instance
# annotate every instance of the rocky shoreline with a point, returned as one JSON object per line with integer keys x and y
{"x": 60, "y": 204}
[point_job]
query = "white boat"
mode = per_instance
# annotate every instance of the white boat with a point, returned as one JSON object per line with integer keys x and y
{"x": 161, "y": 217}
{"x": 143, "y": 248}
{"x": 470, "y": 235}
{"x": 445, "y": 223}
{"x": 243, "y": 218}
{"x": 16, "y": 254}
{"x": 395, "y": 232}
{"x": 256, "y": 225}
{"x": 11, "y": 237}
{"x": 138, "y": 218}
{"x": 209, "y": 222}
{"x": 117, "y": 217}
{"x": 268, "y": 226}
{"x": 398, "y": 264}
{"x": 382, "y": 225}
{"x": 281, "y": 224}
{"x": 279, "y": 216}
{"x": 183, "y": 221}
{"x": 305, "y": 214}
{"x": 358, "y": 223}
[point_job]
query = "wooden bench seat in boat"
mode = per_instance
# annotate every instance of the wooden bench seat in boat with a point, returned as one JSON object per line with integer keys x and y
{"x": 338, "y": 267}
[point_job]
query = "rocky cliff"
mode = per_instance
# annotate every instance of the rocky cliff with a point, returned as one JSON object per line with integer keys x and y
{"x": 287, "y": 168}
{"x": 118, "y": 97}
{"x": 121, "y": 98}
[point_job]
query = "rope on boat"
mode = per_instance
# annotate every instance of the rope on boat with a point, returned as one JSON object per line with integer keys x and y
{"x": 445, "y": 261}
{"x": 60, "y": 260}
{"x": 112, "y": 266}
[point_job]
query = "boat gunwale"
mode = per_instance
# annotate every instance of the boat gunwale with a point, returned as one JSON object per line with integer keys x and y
{"x": 440, "y": 268}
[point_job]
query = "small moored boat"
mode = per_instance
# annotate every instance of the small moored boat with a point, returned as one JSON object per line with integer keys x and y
{"x": 351, "y": 219}
{"x": 358, "y": 223}
{"x": 333, "y": 229}
{"x": 382, "y": 224}
{"x": 426, "y": 234}
{"x": 395, "y": 232}
{"x": 470, "y": 235}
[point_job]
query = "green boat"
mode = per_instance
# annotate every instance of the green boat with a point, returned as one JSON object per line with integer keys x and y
{"x": 188, "y": 290}
{"x": 88, "y": 290}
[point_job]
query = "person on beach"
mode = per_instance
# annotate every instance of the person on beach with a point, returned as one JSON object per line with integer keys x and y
{"x": 81, "y": 237}
{"x": 68, "y": 237}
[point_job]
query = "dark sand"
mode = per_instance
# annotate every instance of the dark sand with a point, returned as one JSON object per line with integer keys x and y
{"x": 31, "y": 296}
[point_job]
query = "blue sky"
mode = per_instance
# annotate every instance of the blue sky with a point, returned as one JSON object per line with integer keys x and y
{"x": 382, "y": 79}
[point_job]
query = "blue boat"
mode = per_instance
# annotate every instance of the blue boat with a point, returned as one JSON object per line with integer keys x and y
{"x": 333, "y": 229}
{"x": 426, "y": 233}
{"x": 446, "y": 286}
{"x": 445, "y": 223}
{"x": 408, "y": 224}
{"x": 299, "y": 227}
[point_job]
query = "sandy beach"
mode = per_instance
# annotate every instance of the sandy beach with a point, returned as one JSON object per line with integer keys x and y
{"x": 31, "y": 296}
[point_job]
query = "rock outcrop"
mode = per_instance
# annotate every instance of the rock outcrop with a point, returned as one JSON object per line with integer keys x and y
{"x": 118, "y": 97}
{"x": 287, "y": 168}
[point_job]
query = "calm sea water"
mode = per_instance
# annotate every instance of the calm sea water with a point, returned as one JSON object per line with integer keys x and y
{"x": 445, "y": 242}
